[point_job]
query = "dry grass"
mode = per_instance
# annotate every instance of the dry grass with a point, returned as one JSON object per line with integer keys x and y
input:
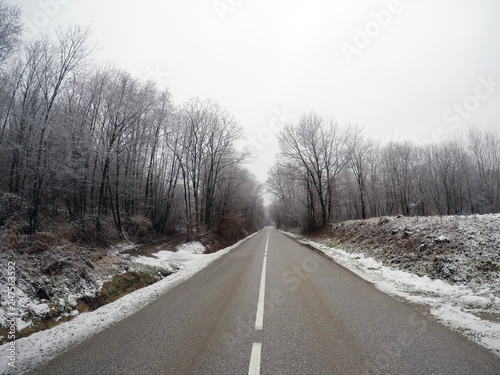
{"x": 467, "y": 251}
{"x": 139, "y": 229}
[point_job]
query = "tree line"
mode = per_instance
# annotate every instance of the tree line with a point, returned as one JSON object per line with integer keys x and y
{"x": 329, "y": 173}
{"x": 94, "y": 145}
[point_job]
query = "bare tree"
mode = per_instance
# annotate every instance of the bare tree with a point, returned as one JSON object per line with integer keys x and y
{"x": 320, "y": 149}
{"x": 59, "y": 61}
{"x": 10, "y": 29}
{"x": 287, "y": 190}
{"x": 399, "y": 168}
{"x": 485, "y": 151}
{"x": 359, "y": 151}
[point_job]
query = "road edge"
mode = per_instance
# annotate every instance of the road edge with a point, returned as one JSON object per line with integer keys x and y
{"x": 43, "y": 346}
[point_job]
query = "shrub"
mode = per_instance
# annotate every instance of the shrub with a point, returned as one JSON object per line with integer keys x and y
{"x": 138, "y": 228}
{"x": 14, "y": 235}
{"x": 12, "y": 208}
{"x": 42, "y": 241}
{"x": 89, "y": 231}
{"x": 231, "y": 229}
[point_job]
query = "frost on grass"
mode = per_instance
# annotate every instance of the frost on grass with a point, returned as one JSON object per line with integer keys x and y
{"x": 48, "y": 283}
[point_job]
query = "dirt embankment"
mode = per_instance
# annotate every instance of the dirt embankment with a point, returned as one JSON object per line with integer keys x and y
{"x": 459, "y": 249}
{"x": 62, "y": 280}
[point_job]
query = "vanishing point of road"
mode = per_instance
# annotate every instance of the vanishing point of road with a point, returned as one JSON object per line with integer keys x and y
{"x": 273, "y": 306}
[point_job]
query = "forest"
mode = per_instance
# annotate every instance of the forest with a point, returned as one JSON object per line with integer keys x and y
{"x": 327, "y": 172}
{"x": 93, "y": 154}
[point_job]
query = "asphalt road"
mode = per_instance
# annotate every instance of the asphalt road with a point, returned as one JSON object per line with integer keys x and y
{"x": 272, "y": 306}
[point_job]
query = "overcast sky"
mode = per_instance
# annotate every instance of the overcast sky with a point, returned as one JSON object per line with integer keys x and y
{"x": 409, "y": 69}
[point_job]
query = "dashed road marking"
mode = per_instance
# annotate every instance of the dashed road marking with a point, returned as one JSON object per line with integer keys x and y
{"x": 254, "y": 368}
{"x": 259, "y": 320}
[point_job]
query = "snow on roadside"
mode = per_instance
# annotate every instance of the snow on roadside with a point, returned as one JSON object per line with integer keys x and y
{"x": 450, "y": 304}
{"x": 42, "y": 346}
{"x": 193, "y": 247}
{"x": 173, "y": 260}
{"x": 24, "y": 306}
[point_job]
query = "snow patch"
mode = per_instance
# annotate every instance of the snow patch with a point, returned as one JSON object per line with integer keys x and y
{"x": 26, "y": 309}
{"x": 170, "y": 260}
{"x": 123, "y": 247}
{"x": 193, "y": 247}
{"x": 442, "y": 239}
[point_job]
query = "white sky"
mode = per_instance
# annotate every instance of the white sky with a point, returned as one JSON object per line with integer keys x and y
{"x": 263, "y": 59}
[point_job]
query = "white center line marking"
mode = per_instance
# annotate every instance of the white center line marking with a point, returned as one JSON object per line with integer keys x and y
{"x": 254, "y": 368}
{"x": 259, "y": 320}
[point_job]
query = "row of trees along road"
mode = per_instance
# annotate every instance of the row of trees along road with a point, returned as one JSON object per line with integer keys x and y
{"x": 94, "y": 145}
{"x": 328, "y": 173}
